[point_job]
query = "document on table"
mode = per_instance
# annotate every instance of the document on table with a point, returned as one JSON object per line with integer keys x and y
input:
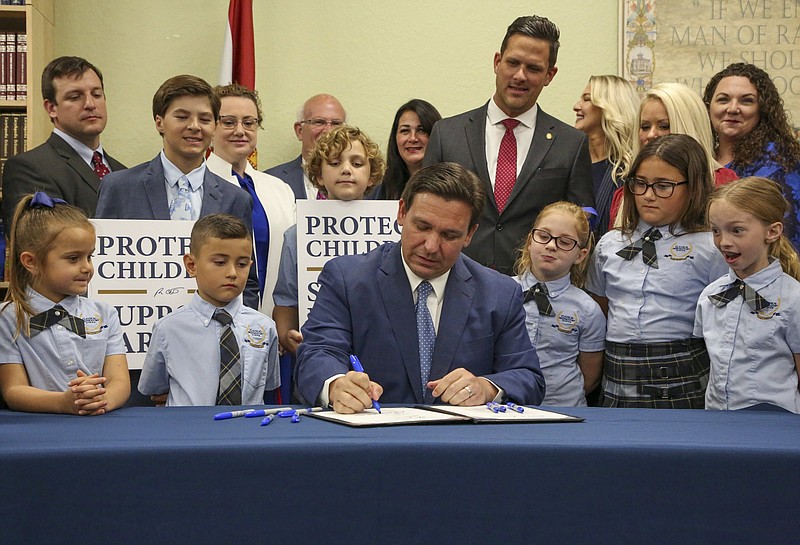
{"x": 480, "y": 414}
{"x": 390, "y": 416}
{"x": 441, "y": 414}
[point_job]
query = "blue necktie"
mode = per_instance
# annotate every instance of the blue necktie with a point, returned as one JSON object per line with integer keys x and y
{"x": 181, "y": 206}
{"x": 426, "y": 334}
{"x": 260, "y": 230}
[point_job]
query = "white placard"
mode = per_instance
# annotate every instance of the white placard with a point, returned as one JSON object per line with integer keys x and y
{"x": 328, "y": 229}
{"x": 138, "y": 269}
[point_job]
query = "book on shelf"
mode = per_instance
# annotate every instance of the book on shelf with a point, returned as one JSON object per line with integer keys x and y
{"x": 13, "y": 136}
{"x": 13, "y": 61}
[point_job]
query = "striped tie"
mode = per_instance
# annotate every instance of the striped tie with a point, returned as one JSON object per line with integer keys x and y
{"x": 646, "y": 245}
{"x": 230, "y": 367}
{"x": 751, "y": 296}
{"x": 57, "y": 315}
{"x": 539, "y": 294}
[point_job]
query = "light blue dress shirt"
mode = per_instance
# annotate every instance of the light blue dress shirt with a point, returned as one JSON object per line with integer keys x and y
{"x": 578, "y": 326}
{"x": 52, "y": 358}
{"x": 752, "y": 353}
{"x": 183, "y": 356}
{"x": 645, "y": 304}
{"x": 285, "y": 292}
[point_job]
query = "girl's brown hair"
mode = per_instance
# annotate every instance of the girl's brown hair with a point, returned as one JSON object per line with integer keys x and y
{"x": 34, "y": 229}
{"x": 686, "y": 155}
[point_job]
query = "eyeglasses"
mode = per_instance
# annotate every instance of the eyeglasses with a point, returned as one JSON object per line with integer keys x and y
{"x": 661, "y": 189}
{"x": 319, "y": 123}
{"x": 562, "y": 243}
{"x": 250, "y": 124}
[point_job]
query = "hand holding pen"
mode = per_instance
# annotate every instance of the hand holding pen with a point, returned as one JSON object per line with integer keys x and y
{"x": 353, "y": 392}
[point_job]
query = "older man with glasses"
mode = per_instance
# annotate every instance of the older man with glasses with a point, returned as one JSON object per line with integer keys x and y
{"x": 319, "y": 115}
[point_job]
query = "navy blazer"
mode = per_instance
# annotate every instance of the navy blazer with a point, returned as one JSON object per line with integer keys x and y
{"x": 365, "y": 307}
{"x": 292, "y": 174}
{"x": 140, "y": 193}
{"x": 55, "y": 168}
{"x": 557, "y": 167}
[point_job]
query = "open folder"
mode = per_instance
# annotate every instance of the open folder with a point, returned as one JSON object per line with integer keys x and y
{"x": 442, "y": 414}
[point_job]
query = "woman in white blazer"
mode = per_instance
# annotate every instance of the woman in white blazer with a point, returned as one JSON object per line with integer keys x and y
{"x": 235, "y": 138}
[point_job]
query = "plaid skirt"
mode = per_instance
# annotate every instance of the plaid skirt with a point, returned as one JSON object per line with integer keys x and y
{"x": 669, "y": 375}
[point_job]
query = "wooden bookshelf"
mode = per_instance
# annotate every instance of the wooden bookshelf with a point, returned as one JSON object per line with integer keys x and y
{"x": 37, "y": 21}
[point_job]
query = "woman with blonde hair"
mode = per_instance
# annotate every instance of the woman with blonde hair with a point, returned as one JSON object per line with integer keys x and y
{"x": 606, "y": 112}
{"x": 674, "y": 108}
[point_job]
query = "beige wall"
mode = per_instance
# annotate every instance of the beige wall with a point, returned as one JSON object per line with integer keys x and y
{"x": 372, "y": 55}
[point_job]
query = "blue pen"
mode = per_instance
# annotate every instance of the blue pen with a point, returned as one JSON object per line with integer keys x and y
{"x": 515, "y": 407}
{"x": 265, "y": 412}
{"x": 287, "y": 413}
{"x": 232, "y": 414}
{"x": 267, "y": 420}
{"x": 357, "y": 367}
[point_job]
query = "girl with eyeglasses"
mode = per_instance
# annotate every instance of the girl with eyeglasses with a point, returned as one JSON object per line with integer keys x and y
{"x": 648, "y": 275}
{"x": 564, "y": 324}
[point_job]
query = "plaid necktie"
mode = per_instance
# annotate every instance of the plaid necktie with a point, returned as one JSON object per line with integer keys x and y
{"x": 646, "y": 245}
{"x": 539, "y": 294}
{"x": 751, "y": 296}
{"x": 506, "y": 173}
{"x": 99, "y": 166}
{"x": 230, "y": 367}
{"x": 57, "y": 315}
{"x": 426, "y": 334}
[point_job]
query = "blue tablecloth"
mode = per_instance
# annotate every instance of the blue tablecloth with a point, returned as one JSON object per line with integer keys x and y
{"x": 175, "y": 475}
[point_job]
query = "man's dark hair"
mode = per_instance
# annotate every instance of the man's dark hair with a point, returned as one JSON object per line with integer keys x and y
{"x": 450, "y": 181}
{"x": 61, "y": 67}
{"x": 182, "y": 86}
{"x": 537, "y": 27}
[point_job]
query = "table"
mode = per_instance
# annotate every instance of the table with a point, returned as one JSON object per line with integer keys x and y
{"x": 175, "y": 475}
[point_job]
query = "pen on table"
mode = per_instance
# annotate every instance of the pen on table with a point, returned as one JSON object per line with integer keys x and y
{"x": 360, "y": 369}
{"x": 267, "y": 420}
{"x": 233, "y": 414}
{"x": 297, "y": 412}
{"x": 265, "y": 412}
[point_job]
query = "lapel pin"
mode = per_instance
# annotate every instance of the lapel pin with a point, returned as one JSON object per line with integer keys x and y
{"x": 549, "y": 136}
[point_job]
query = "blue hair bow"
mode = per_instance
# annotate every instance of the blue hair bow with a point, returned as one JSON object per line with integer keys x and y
{"x": 592, "y": 216}
{"x": 40, "y": 198}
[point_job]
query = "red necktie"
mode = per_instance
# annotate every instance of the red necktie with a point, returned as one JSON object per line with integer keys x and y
{"x": 506, "y": 173}
{"x": 99, "y": 166}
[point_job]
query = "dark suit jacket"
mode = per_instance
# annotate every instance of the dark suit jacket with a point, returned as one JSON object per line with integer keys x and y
{"x": 292, "y": 174}
{"x": 365, "y": 307}
{"x": 558, "y": 167}
{"x": 140, "y": 193}
{"x": 55, "y": 168}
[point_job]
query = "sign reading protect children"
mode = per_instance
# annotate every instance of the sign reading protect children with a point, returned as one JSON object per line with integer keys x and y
{"x": 138, "y": 269}
{"x": 328, "y": 229}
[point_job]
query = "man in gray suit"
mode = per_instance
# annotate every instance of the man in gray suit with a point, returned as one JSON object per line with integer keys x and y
{"x": 66, "y": 165}
{"x": 177, "y": 184}
{"x": 319, "y": 115}
{"x": 536, "y": 158}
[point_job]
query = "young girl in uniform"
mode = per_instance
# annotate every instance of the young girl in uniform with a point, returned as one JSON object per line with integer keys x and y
{"x": 564, "y": 324}
{"x": 649, "y": 274}
{"x": 749, "y": 317}
{"x": 59, "y": 352}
